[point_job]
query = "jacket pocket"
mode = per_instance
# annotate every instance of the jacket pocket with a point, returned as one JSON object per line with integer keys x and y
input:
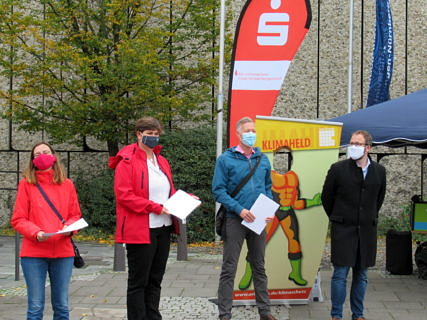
{"x": 337, "y": 219}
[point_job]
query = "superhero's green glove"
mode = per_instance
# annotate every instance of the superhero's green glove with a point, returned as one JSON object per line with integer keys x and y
{"x": 316, "y": 201}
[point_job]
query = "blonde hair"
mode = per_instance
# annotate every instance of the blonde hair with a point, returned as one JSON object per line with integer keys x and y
{"x": 29, "y": 172}
{"x": 241, "y": 122}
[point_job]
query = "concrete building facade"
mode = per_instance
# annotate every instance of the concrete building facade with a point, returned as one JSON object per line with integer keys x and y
{"x": 315, "y": 88}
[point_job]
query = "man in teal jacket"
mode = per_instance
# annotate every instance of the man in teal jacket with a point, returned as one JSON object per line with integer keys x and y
{"x": 231, "y": 168}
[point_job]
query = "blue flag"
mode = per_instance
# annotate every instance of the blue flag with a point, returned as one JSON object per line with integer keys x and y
{"x": 382, "y": 58}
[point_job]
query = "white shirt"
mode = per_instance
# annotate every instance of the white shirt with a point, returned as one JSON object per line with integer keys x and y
{"x": 159, "y": 189}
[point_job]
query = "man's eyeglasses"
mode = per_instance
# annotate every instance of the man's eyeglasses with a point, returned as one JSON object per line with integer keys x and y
{"x": 356, "y": 144}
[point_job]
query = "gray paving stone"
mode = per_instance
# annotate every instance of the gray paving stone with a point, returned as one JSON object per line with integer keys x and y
{"x": 404, "y": 305}
{"x": 98, "y": 293}
{"x": 172, "y": 291}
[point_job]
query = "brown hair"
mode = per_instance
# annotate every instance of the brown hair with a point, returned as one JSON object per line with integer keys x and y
{"x": 58, "y": 169}
{"x": 148, "y": 123}
{"x": 366, "y": 135}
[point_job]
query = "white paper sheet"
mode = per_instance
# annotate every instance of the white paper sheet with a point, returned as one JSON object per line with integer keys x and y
{"x": 79, "y": 224}
{"x": 263, "y": 208}
{"x": 181, "y": 204}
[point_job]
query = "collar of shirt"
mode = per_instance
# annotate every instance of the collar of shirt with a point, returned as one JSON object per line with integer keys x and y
{"x": 239, "y": 149}
{"x": 365, "y": 169}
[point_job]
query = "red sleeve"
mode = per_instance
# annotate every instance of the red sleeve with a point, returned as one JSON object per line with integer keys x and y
{"x": 21, "y": 212}
{"x": 125, "y": 194}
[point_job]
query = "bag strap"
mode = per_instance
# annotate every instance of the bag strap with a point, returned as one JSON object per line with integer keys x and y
{"x": 246, "y": 179}
{"x": 51, "y": 205}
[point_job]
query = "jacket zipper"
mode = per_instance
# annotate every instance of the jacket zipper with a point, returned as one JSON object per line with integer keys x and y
{"x": 251, "y": 180}
{"x": 123, "y": 227}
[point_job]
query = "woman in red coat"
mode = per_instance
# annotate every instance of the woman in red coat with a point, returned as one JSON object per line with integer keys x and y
{"x": 33, "y": 218}
{"x": 142, "y": 183}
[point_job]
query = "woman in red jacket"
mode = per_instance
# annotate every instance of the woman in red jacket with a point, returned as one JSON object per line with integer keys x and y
{"x": 142, "y": 183}
{"x": 33, "y": 218}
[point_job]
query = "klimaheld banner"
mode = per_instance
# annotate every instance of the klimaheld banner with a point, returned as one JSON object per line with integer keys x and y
{"x": 382, "y": 58}
{"x": 300, "y": 153}
{"x": 268, "y": 34}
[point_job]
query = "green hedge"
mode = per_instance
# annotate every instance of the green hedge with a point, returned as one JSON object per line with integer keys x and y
{"x": 97, "y": 201}
{"x": 191, "y": 153}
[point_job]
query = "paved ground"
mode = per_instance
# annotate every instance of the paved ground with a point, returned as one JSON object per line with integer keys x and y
{"x": 99, "y": 293}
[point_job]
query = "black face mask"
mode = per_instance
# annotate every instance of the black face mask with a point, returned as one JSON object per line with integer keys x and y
{"x": 150, "y": 141}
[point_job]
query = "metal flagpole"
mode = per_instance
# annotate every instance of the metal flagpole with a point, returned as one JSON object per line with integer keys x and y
{"x": 220, "y": 97}
{"x": 350, "y": 57}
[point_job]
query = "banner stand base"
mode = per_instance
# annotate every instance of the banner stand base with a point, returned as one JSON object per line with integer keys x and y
{"x": 286, "y": 302}
{"x": 316, "y": 292}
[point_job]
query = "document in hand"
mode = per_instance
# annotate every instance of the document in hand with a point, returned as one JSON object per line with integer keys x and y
{"x": 181, "y": 204}
{"x": 79, "y": 224}
{"x": 262, "y": 208}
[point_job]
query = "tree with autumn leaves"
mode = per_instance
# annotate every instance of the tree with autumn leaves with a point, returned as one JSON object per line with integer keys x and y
{"x": 80, "y": 68}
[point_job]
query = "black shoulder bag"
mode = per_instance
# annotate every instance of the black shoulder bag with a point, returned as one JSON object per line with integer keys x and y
{"x": 220, "y": 215}
{"x": 78, "y": 260}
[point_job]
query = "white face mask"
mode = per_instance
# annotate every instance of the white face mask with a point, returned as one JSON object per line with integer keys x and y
{"x": 355, "y": 152}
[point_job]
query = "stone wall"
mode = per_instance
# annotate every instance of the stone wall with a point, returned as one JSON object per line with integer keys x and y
{"x": 315, "y": 88}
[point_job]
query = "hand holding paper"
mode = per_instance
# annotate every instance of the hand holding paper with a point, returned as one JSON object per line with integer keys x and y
{"x": 263, "y": 208}
{"x": 181, "y": 204}
{"x": 246, "y": 215}
{"x": 79, "y": 224}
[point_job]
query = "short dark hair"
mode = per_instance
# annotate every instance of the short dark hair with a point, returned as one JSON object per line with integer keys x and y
{"x": 148, "y": 123}
{"x": 366, "y": 135}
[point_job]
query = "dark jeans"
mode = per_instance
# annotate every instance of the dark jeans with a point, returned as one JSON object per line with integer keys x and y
{"x": 147, "y": 264}
{"x": 236, "y": 233}
{"x": 357, "y": 292}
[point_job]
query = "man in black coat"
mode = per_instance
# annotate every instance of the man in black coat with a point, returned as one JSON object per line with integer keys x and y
{"x": 352, "y": 195}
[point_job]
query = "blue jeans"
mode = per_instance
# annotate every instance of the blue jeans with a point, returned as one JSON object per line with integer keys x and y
{"x": 357, "y": 292}
{"x": 35, "y": 271}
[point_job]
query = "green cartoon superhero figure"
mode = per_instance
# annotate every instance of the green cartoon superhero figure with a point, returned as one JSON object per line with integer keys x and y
{"x": 286, "y": 192}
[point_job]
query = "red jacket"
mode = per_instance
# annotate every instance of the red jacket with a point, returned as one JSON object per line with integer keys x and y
{"x": 32, "y": 214}
{"x": 131, "y": 189}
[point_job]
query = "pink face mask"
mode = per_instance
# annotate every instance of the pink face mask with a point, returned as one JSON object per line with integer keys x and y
{"x": 44, "y": 161}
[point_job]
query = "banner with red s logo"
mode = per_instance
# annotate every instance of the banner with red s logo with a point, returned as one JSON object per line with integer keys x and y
{"x": 268, "y": 34}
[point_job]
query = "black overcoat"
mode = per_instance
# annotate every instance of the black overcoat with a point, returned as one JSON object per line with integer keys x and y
{"x": 352, "y": 204}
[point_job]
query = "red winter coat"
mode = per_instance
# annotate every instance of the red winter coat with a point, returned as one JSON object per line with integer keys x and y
{"x": 32, "y": 214}
{"x": 131, "y": 189}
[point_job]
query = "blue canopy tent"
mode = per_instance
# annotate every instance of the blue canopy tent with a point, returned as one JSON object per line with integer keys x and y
{"x": 394, "y": 123}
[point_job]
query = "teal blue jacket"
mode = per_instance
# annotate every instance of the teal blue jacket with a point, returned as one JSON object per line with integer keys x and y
{"x": 231, "y": 167}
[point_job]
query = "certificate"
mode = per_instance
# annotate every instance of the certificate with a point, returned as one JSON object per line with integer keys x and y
{"x": 263, "y": 208}
{"x": 79, "y": 224}
{"x": 181, "y": 204}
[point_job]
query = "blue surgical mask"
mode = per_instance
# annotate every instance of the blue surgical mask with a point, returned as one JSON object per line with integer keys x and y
{"x": 249, "y": 139}
{"x": 150, "y": 141}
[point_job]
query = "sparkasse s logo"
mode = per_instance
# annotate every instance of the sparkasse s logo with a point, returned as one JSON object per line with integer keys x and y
{"x": 274, "y": 26}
